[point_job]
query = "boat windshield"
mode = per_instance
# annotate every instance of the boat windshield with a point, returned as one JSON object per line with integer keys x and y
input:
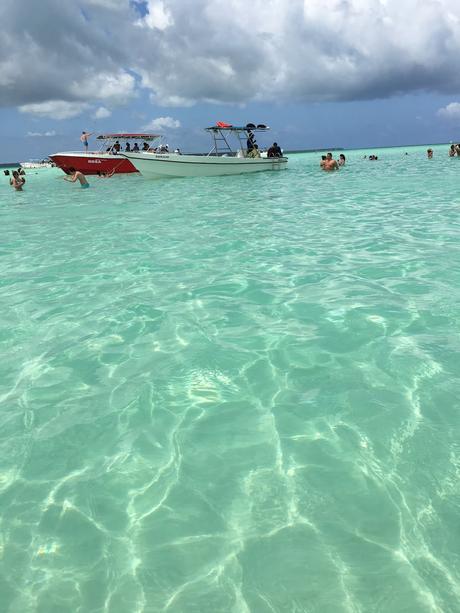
{"x": 221, "y": 133}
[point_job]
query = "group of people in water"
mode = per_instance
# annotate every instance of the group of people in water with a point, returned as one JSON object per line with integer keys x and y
{"x": 454, "y": 151}
{"x": 328, "y": 163}
{"x": 17, "y": 178}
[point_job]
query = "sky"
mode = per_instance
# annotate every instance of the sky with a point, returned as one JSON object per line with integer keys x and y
{"x": 320, "y": 73}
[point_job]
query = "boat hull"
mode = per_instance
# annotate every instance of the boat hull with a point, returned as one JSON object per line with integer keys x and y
{"x": 92, "y": 163}
{"x": 154, "y": 166}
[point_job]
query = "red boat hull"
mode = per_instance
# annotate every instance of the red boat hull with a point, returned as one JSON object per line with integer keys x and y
{"x": 91, "y": 164}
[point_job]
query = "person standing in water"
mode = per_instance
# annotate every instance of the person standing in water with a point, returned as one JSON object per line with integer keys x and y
{"x": 329, "y": 163}
{"x": 17, "y": 181}
{"x": 76, "y": 175}
{"x": 84, "y": 139}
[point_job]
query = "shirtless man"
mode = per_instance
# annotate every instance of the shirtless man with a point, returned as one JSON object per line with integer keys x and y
{"x": 84, "y": 138}
{"x": 76, "y": 175}
{"x": 17, "y": 181}
{"x": 330, "y": 164}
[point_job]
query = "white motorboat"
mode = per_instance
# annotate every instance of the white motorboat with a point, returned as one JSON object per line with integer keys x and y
{"x": 221, "y": 160}
{"x": 35, "y": 164}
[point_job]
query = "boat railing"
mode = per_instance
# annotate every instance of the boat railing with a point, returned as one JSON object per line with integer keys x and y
{"x": 96, "y": 152}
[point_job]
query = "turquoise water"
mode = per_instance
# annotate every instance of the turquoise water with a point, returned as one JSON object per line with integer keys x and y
{"x": 232, "y": 394}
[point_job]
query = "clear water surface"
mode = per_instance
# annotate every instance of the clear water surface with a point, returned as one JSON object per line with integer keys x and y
{"x": 234, "y": 394}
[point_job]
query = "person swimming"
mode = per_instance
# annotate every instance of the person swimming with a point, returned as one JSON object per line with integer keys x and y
{"x": 105, "y": 175}
{"x": 76, "y": 175}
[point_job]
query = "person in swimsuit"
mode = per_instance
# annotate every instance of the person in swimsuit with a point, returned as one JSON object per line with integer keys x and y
{"x": 84, "y": 139}
{"x": 17, "y": 181}
{"x": 330, "y": 164}
{"x": 76, "y": 175}
{"x": 105, "y": 175}
{"x": 342, "y": 159}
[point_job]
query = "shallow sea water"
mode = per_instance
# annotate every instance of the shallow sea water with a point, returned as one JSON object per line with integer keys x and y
{"x": 234, "y": 394}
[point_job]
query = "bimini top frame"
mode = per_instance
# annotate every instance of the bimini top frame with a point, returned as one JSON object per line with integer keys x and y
{"x": 107, "y": 141}
{"x": 221, "y": 131}
{"x": 128, "y": 136}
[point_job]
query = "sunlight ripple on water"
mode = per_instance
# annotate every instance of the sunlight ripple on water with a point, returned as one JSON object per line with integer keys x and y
{"x": 232, "y": 394}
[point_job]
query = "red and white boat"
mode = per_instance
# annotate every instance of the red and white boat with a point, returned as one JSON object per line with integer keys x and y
{"x": 107, "y": 159}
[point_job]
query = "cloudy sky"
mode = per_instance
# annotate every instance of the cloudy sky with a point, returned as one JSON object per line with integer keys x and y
{"x": 321, "y": 73}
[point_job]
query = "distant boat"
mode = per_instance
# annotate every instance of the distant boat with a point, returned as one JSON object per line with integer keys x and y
{"x": 106, "y": 159}
{"x": 37, "y": 164}
{"x": 221, "y": 160}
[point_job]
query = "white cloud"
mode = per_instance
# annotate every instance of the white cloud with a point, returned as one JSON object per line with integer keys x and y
{"x": 116, "y": 88}
{"x": 158, "y": 16}
{"x": 227, "y": 51}
{"x": 171, "y": 101}
{"x": 112, "y": 5}
{"x": 162, "y": 123}
{"x": 39, "y": 134}
{"x": 101, "y": 113}
{"x": 56, "y": 109}
{"x": 451, "y": 111}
